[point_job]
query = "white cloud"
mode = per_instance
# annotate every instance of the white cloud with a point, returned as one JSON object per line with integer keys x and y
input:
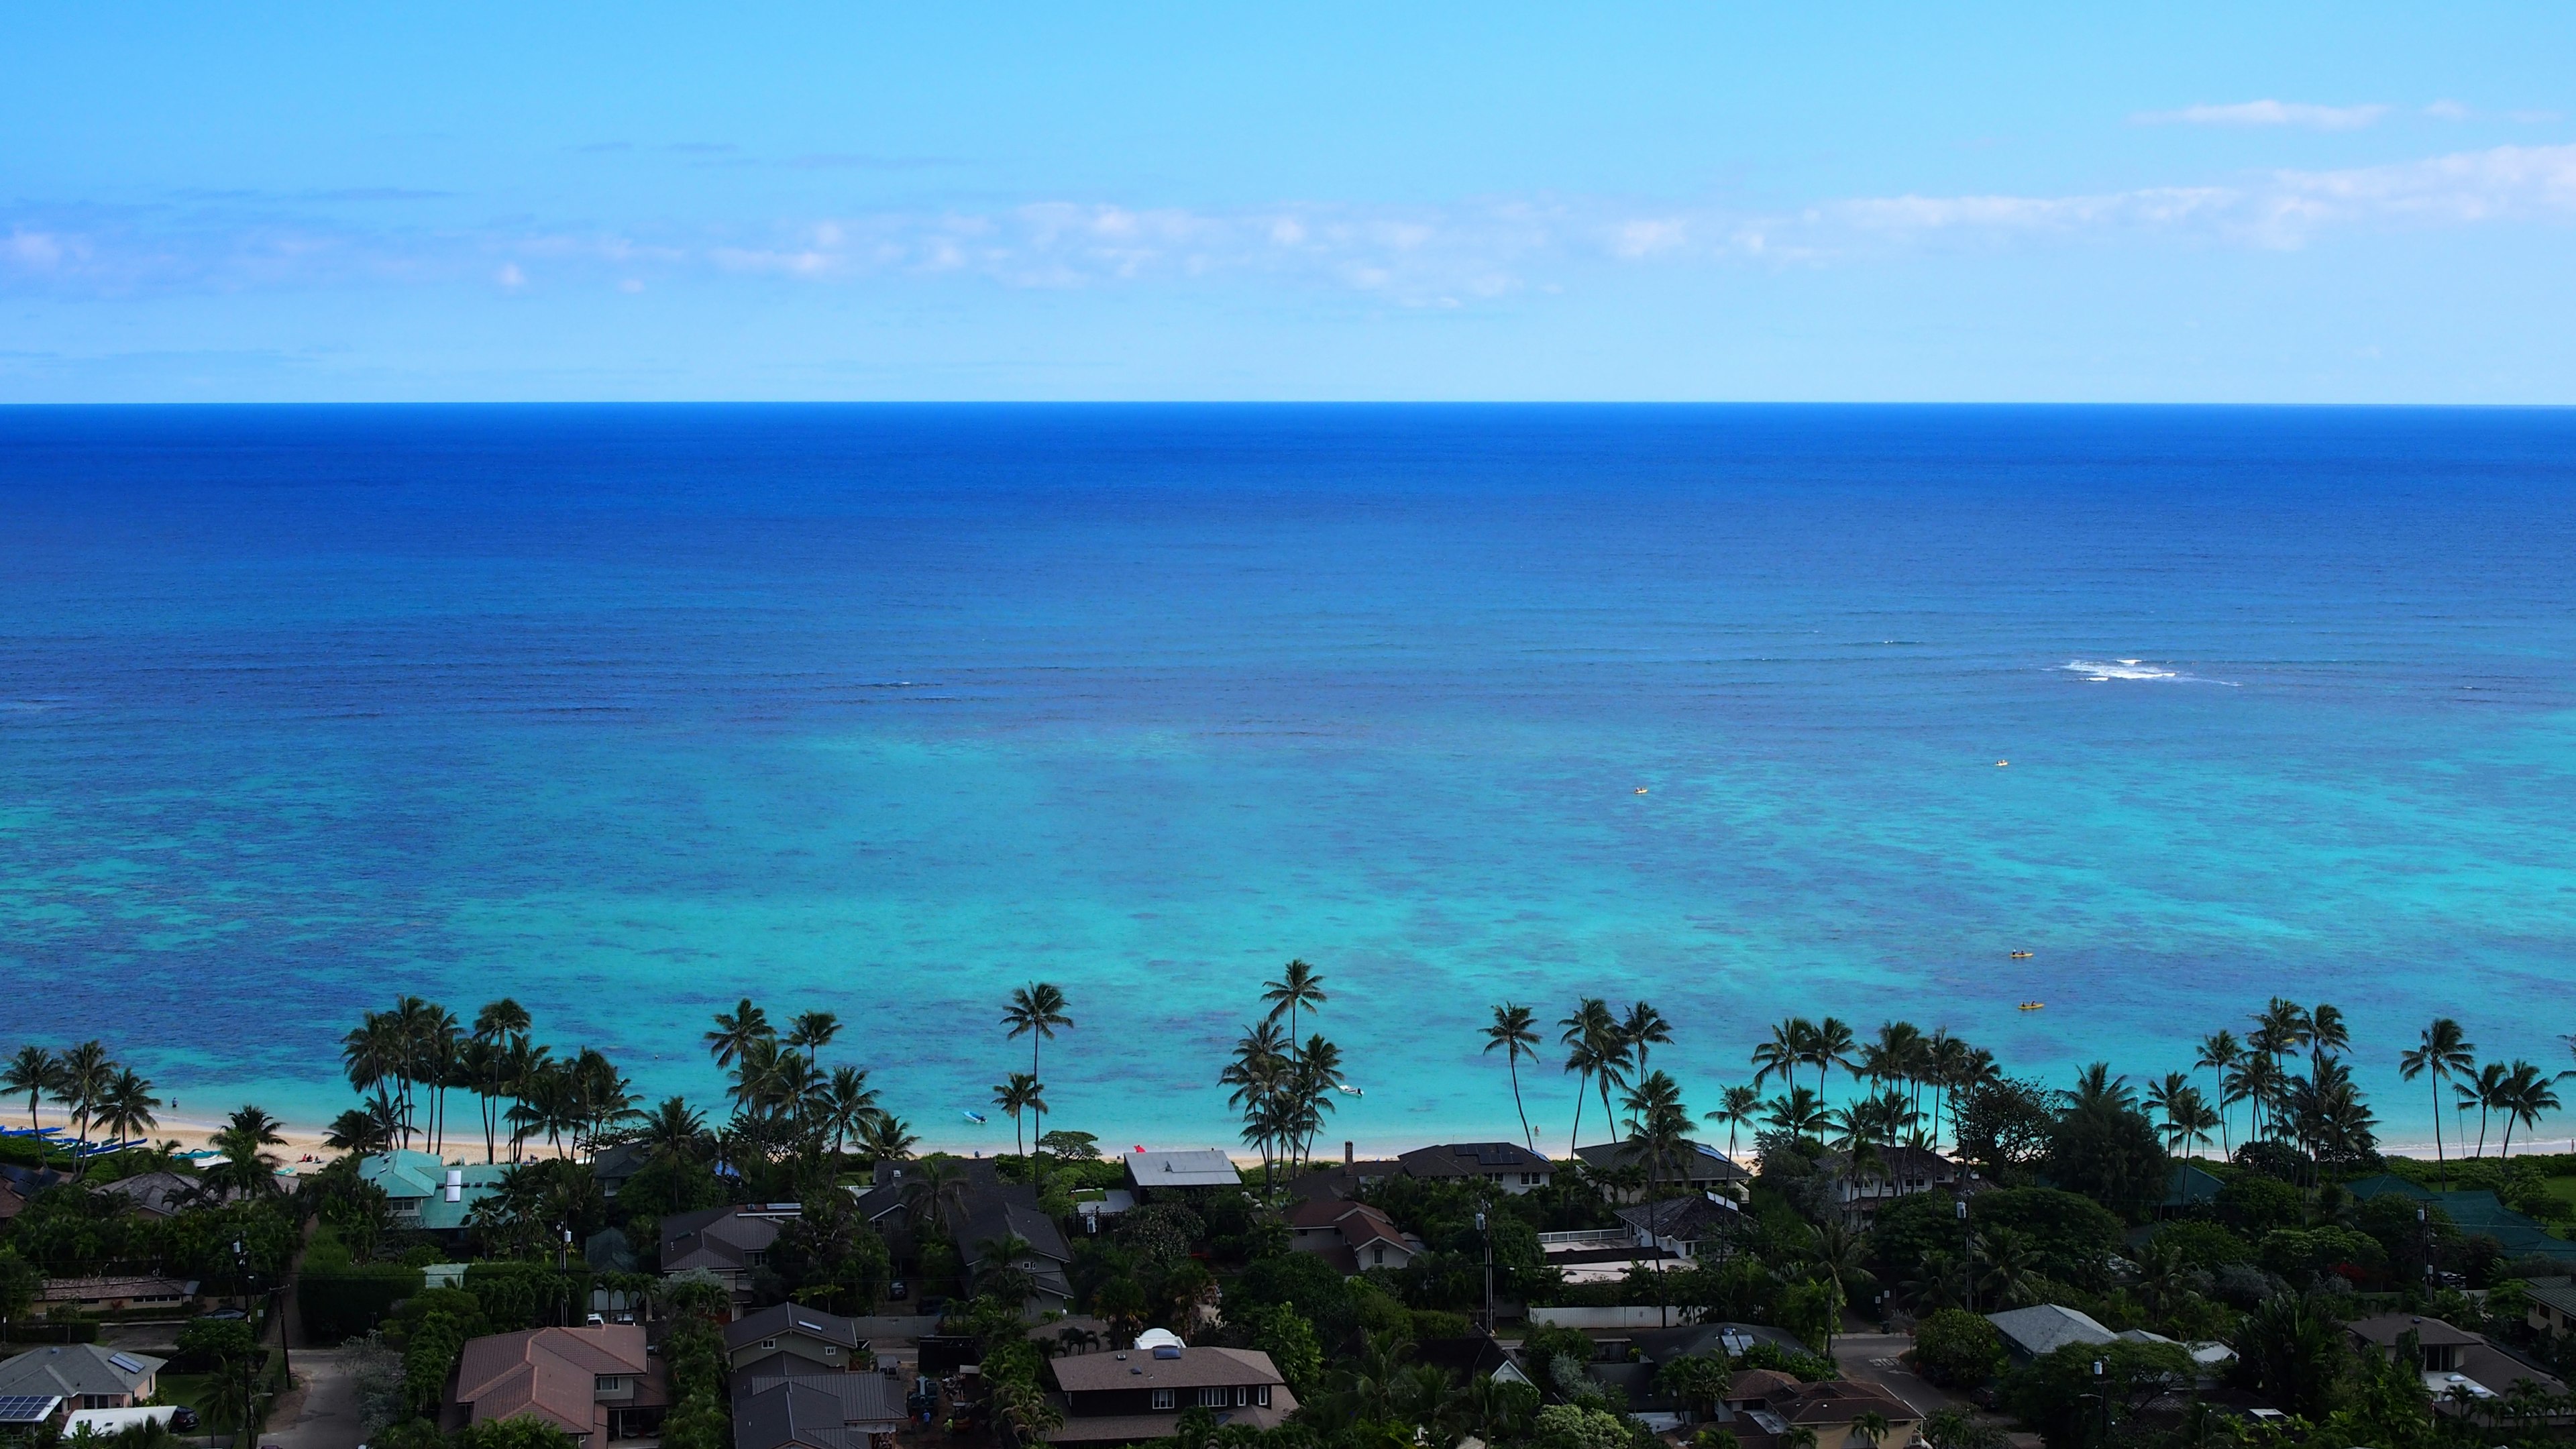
{"x": 2448, "y": 111}
{"x": 2267, "y": 113}
{"x": 1426, "y": 256}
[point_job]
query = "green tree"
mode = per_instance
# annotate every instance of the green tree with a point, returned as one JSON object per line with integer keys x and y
{"x": 1959, "y": 1348}
{"x": 2059, "y": 1394}
{"x": 2292, "y": 1350}
{"x": 520, "y": 1431}
{"x": 2109, "y": 1152}
{"x": 1280, "y": 1331}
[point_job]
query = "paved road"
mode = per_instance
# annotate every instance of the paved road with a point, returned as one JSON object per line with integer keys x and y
{"x": 327, "y": 1416}
{"x": 1871, "y": 1358}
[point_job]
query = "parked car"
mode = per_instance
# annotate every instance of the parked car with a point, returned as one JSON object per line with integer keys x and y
{"x": 185, "y": 1421}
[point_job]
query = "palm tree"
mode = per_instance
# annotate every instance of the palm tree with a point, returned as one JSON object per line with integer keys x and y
{"x": 1799, "y": 1112}
{"x": 1784, "y": 1052}
{"x": 1841, "y": 1256}
{"x": 1597, "y": 1053}
{"x": 2096, "y": 1087}
{"x": 2443, "y": 1051}
{"x": 36, "y": 1072}
{"x": 813, "y": 1031}
{"x": 1014, "y": 1096}
{"x": 1300, "y": 987}
{"x": 2191, "y": 1117}
{"x": 2485, "y": 1091}
{"x": 2327, "y": 1030}
{"x": 1868, "y": 1428}
{"x": 127, "y": 1108}
{"x": 83, "y": 1081}
{"x": 2218, "y": 1052}
{"x": 848, "y": 1102}
{"x": 358, "y": 1131}
{"x": 1035, "y": 1011}
{"x": 1658, "y": 1124}
{"x": 936, "y": 1189}
{"x": 1644, "y": 1028}
{"x": 244, "y": 1140}
{"x": 1739, "y": 1105}
{"x": 2012, "y": 1265}
{"x": 886, "y": 1137}
{"x": 736, "y": 1032}
{"x": 1831, "y": 1047}
{"x": 1259, "y": 1076}
{"x": 2163, "y": 1095}
{"x": 2526, "y": 1097}
{"x": 1513, "y": 1032}
{"x": 673, "y": 1128}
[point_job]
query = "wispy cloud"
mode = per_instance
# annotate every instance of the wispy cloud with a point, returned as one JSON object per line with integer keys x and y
{"x": 1428, "y": 256}
{"x": 2267, "y": 113}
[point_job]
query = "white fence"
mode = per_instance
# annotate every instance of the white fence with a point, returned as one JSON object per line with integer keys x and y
{"x": 1629, "y": 1316}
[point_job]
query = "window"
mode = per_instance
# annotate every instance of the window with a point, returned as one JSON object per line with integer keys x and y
{"x": 612, "y": 1383}
{"x": 1261, "y": 1395}
{"x": 769, "y": 1343}
{"x": 1163, "y": 1399}
{"x": 1216, "y": 1398}
{"x": 1242, "y": 1395}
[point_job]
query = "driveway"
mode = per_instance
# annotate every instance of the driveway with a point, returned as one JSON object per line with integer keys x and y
{"x": 324, "y": 1409}
{"x": 1871, "y": 1358}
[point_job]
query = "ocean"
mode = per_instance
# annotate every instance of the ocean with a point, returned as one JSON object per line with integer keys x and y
{"x": 628, "y": 712}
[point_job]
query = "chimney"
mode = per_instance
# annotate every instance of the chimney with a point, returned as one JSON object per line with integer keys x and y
{"x": 1348, "y": 1157}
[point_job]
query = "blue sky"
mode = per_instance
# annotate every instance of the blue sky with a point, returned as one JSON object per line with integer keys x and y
{"x": 2222, "y": 203}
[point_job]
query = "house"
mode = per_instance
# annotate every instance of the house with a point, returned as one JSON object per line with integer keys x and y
{"x": 19, "y": 1186}
{"x": 1675, "y": 1226}
{"x": 791, "y": 1339}
{"x": 841, "y": 1411}
{"x": 120, "y": 1295}
{"x": 1467, "y": 1359}
{"x": 1138, "y": 1394}
{"x": 163, "y": 1194}
{"x": 992, "y": 1220}
{"x": 2553, "y": 1304}
{"x": 1695, "y": 1167}
{"x": 1827, "y": 1410}
{"x": 2457, "y": 1365}
{"x": 1202, "y": 1167}
{"x": 428, "y": 1195}
{"x": 597, "y": 1384}
{"x": 2042, "y": 1328}
{"x": 1346, "y": 1179}
{"x": 615, "y": 1166}
{"x": 82, "y": 1375}
{"x": 1890, "y": 1173}
{"x": 1507, "y": 1165}
{"x": 2475, "y": 1211}
{"x": 1663, "y": 1345}
{"x": 730, "y": 1242}
{"x": 1353, "y": 1236}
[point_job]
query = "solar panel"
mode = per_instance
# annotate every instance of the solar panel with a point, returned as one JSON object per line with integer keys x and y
{"x": 26, "y": 1408}
{"x": 130, "y": 1365}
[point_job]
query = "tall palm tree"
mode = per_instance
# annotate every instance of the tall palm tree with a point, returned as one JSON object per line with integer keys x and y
{"x": 2328, "y": 1032}
{"x": 2443, "y": 1051}
{"x": 1597, "y": 1053}
{"x": 1799, "y": 1112}
{"x": 1300, "y": 987}
{"x": 736, "y": 1031}
{"x": 1014, "y": 1096}
{"x": 34, "y": 1071}
{"x": 2097, "y": 1087}
{"x": 1259, "y": 1076}
{"x": 1736, "y": 1109}
{"x": 1575, "y": 1032}
{"x": 2162, "y": 1097}
{"x": 2526, "y": 1096}
{"x": 1315, "y": 1076}
{"x": 848, "y": 1103}
{"x": 83, "y": 1082}
{"x": 1035, "y": 1011}
{"x": 2220, "y": 1051}
{"x": 674, "y": 1129}
{"x": 811, "y": 1031}
{"x": 244, "y": 1140}
{"x": 1658, "y": 1124}
{"x": 500, "y": 1020}
{"x": 886, "y": 1137}
{"x": 127, "y": 1109}
{"x": 1782, "y": 1055}
{"x": 1513, "y": 1031}
{"x": 1645, "y": 1027}
{"x": 1831, "y": 1047}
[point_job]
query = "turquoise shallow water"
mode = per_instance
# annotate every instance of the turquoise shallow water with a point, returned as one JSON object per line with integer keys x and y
{"x": 630, "y": 711}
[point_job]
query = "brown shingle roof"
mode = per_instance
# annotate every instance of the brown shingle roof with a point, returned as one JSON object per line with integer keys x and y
{"x": 1196, "y": 1368}
{"x": 552, "y": 1373}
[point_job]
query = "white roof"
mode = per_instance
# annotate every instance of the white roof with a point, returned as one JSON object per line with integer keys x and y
{"x": 1193, "y": 1167}
{"x": 2044, "y": 1327}
{"x": 114, "y": 1421}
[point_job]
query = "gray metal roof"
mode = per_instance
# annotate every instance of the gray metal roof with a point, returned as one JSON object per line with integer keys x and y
{"x": 72, "y": 1369}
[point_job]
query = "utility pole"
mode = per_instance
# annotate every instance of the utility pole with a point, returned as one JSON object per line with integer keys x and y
{"x": 1967, "y": 1260}
{"x": 1482, "y": 1232}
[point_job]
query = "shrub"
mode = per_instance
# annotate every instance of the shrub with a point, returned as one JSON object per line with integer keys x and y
{"x": 205, "y": 1342}
{"x": 2207, "y": 1246}
{"x": 348, "y": 1302}
{"x": 1957, "y": 1347}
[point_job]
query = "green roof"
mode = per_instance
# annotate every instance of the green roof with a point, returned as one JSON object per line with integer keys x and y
{"x": 2474, "y": 1211}
{"x": 416, "y": 1183}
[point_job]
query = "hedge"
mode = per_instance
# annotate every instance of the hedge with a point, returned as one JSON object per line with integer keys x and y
{"x": 343, "y": 1303}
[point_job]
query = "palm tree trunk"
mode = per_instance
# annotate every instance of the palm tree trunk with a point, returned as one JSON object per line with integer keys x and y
{"x": 2445, "y": 1167}
{"x": 1582, "y": 1084}
{"x": 1512, "y": 1064}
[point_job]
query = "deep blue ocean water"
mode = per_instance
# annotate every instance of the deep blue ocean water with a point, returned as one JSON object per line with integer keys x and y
{"x": 630, "y": 711}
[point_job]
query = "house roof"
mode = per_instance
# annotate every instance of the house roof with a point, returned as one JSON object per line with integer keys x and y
{"x": 1144, "y": 1428}
{"x": 790, "y": 1318}
{"x": 1662, "y": 1345}
{"x": 73, "y": 1369}
{"x": 82, "y": 1290}
{"x": 1196, "y": 1368}
{"x": 618, "y": 1163}
{"x": 721, "y": 1238}
{"x": 990, "y": 1216}
{"x": 2387, "y": 1328}
{"x": 819, "y": 1412}
{"x": 552, "y": 1373}
{"x": 1192, "y": 1167}
{"x": 1696, "y": 1161}
{"x": 1472, "y": 1159}
{"x": 1836, "y": 1401}
{"x": 1683, "y": 1218}
{"x": 2045, "y": 1327}
{"x": 418, "y": 1181}
{"x": 159, "y": 1193}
